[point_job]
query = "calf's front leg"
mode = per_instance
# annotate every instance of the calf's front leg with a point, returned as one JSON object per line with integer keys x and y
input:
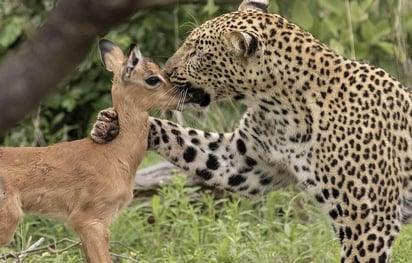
{"x": 94, "y": 235}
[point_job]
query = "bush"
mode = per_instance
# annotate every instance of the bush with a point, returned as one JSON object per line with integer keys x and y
{"x": 376, "y": 31}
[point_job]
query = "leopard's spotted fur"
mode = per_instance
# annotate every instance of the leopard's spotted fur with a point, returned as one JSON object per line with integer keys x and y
{"x": 340, "y": 128}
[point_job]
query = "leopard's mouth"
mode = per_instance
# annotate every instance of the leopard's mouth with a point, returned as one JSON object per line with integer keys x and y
{"x": 195, "y": 95}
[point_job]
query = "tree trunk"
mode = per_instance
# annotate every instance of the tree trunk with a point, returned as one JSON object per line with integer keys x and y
{"x": 53, "y": 52}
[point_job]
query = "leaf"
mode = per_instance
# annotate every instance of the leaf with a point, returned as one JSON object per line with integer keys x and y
{"x": 301, "y": 14}
{"x": 69, "y": 103}
{"x": 357, "y": 13}
{"x": 57, "y": 119}
{"x": 156, "y": 206}
{"x": 287, "y": 229}
{"x": 11, "y": 31}
{"x": 337, "y": 47}
{"x": 210, "y": 8}
{"x": 332, "y": 26}
{"x": 368, "y": 30}
{"x": 335, "y": 7}
{"x": 389, "y": 48}
{"x": 361, "y": 50}
{"x": 365, "y": 4}
{"x": 383, "y": 30}
{"x": 223, "y": 251}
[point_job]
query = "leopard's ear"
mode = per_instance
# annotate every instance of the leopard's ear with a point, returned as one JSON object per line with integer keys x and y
{"x": 242, "y": 44}
{"x": 261, "y": 5}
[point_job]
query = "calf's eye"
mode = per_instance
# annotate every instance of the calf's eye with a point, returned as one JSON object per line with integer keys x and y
{"x": 153, "y": 81}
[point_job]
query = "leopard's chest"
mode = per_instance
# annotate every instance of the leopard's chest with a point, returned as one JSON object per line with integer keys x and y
{"x": 274, "y": 138}
{"x": 276, "y": 143}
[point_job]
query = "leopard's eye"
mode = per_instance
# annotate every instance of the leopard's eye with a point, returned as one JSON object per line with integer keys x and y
{"x": 153, "y": 81}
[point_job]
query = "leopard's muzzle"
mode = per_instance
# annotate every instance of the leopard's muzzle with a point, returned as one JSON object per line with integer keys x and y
{"x": 195, "y": 95}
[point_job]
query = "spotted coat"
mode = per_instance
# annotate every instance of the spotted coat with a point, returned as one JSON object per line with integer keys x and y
{"x": 339, "y": 128}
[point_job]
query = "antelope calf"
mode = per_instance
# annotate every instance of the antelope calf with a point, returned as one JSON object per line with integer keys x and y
{"x": 82, "y": 182}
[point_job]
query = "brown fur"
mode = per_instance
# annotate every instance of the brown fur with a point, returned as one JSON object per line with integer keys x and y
{"x": 81, "y": 182}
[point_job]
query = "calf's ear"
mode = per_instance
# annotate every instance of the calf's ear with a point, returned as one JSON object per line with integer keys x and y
{"x": 110, "y": 54}
{"x": 134, "y": 56}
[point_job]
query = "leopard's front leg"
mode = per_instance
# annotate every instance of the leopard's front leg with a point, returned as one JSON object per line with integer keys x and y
{"x": 218, "y": 158}
{"x": 198, "y": 152}
{"x": 106, "y": 127}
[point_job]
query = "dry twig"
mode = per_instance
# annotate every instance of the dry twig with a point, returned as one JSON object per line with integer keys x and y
{"x": 36, "y": 248}
{"x": 26, "y": 252}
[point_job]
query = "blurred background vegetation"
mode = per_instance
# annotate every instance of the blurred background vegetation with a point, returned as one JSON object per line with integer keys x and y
{"x": 377, "y": 31}
{"x": 173, "y": 227}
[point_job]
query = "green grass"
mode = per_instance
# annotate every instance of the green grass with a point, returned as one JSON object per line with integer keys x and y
{"x": 183, "y": 225}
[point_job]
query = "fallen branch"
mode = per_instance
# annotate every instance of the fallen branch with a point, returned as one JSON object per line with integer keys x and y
{"x": 29, "y": 250}
{"x": 36, "y": 248}
{"x": 149, "y": 180}
{"x": 160, "y": 174}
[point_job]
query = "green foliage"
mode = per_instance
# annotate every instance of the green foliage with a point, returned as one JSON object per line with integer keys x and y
{"x": 365, "y": 30}
{"x": 362, "y": 30}
{"x": 182, "y": 225}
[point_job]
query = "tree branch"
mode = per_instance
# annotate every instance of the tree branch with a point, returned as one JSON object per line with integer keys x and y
{"x": 56, "y": 49}
{"x": 29, "y": 250}
{"x": 157, "y": 175}
{"x": 149, "y": 180}
{"x": 36, "y": 248}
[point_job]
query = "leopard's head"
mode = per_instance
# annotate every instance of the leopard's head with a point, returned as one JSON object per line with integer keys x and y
{"x": 224, "y": 57}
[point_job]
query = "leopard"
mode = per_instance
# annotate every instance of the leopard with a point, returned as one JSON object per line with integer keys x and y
{"x": 338, "y": 128}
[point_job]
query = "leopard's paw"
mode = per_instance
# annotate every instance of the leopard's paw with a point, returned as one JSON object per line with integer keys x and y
{"x": 106, "y": 128}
